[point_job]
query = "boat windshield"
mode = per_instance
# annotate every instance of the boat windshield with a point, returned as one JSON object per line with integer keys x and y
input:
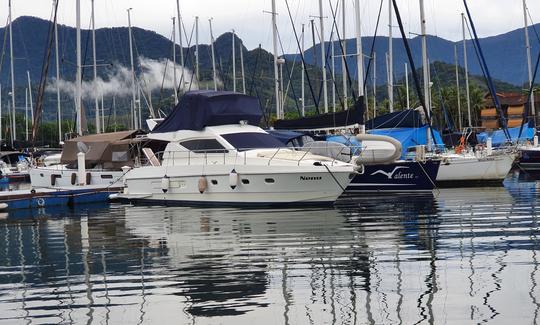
{"x": 252, "y": 140}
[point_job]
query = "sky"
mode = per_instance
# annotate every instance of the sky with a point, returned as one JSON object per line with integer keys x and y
{"x": 252, "y": 22}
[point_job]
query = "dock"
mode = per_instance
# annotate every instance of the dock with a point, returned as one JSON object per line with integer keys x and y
{"x": 46, "y": 197}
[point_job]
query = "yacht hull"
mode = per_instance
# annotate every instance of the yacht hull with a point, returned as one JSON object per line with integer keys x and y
{"x": 255, "y": 186}
{"x": 400, "y": 176}
{"x": 529, "y": 159}
{"x": 60, "y": 177}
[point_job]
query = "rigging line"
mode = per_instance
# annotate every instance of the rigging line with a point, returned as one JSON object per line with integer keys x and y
{"x": 413, "y": 70}
{"x": 165, "y": 74}
{"x": 528, "y": 102}
{"x": 372, "y": 51}
{"x": 315, "y": 100}
{"x": 476, "y": 51}
{"x": 340, "y": 42}
{"x": 289, "y": 74}
{"x": 252, "y": 84}
{"x": 44, "y": 72}
{"x": 447, "y": 115}
{"x": 533, "y": 25}
{"x": 491, "y": 86}
{"x": 4, "y": 47}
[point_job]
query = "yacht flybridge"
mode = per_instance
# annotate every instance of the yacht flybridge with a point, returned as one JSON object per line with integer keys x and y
{"x": 217, "y": 155}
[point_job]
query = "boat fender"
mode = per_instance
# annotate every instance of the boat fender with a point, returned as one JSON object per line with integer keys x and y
{"x": 233, "y": 179}
{"x": 3, "y": 206}
{"x": 53, "y": 180}
{"x": 73, "y": 178}
{"x": 165, "y": 183}
{"x": 202, "y": 184}
{"x": 88, "y": 178}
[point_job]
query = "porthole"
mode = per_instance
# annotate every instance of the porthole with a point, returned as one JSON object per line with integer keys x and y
{"x": 214, "y": 182}
{"x": 269, "y": 180}
{"x": 245, "y": 181}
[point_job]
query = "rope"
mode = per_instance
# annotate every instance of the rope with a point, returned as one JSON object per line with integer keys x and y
{"x": 334, "y": 177}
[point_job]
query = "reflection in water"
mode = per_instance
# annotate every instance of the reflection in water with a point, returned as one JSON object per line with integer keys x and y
{"x": 455, "y": 256}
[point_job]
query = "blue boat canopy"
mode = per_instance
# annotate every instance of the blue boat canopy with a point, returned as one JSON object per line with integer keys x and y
{"x": 409, "y": 137}
{"x": 498, "y": 138}
{"x": 199, "y": 109}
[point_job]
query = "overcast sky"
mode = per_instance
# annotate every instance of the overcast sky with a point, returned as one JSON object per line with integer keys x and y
{"x": 253, "y": 25}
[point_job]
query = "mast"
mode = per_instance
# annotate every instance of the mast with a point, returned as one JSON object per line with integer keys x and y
{"x": 180, "y": 43}
{"x": 58, "y": 108}
{"x": 529, "y": 63}
{"x": 233, "y": 62}
{"x": 323, "y": 57}
{"x": 333, "y": 55}
{"x": 96, "y": 101}
{"x": 390, "y": 60}
{"x": 457, "y": 87}
{"x": 78, "y": 88}
{"x": 344, "y": 57}
{"x": 213, "y": 54}
{"x": 242, "y": 68}
{"x": 26, "y": 113}
{"x": 466, "y": 66}
{"x": 374, "y": 84}
{"x": 359, "y": 57}
{"x": 407, "y": 85}
{"x": 303, "y": 70}
{"x": 134, "y": 119}
{"x": 425, "y": 68}
{"x": 12, "y": 73}
{"x": 174, "y": 62}
{"x": 1, "y": 131}
{"x": 197, "y": 76}
{"x": 30, "y": 98}
{"x": 276, "y": 72}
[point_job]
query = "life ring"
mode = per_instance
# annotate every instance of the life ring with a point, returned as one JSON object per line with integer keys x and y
{"x": 40, "y": 202}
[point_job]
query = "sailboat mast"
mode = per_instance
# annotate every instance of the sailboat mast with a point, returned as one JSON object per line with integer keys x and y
{"x": 407, "y": 85}
{"x": 1, "y": 131}
{"x": 58, "y": 108}
{"x": 303, "y": 73}
{"x": 197, "y": 75}
{"x": 359, "y": 57}
{"x": 134, "y": 120}
{"x": 457, "y": 87}
{"x": 14, "y": 132}
{"x": 374, "y": 84}
{"x": 333, "y": 72}
{"x": 174, "y": 61}
{"x": 30, "y": 97}
{"x": 233, "y": 61}
{"x": 242, "y": 68}
{"x": 466, "y": 66}
{"x": 213, "y": 54}
{"x": 344, "y": 55}
{"x": 276, "y": 72}
{"x": 529, "y": 63}
{"x": 78, "y": 88}
{"x": 323, "y": 57}
{"x": 26, "y": 114}
{"x": 425, "y": 69}
{"x": 180, "y": 43}
{"x": 390, "y": 60}
{"x": 94, "y": 63}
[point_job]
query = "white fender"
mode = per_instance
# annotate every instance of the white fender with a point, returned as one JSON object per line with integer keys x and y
{"x": 165, "y": 183}
{"x": 202, "y": 184}
{"x": 233, "y": 179}
{"x": 371, "y": 156}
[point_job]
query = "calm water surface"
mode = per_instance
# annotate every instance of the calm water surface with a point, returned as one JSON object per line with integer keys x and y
{"x": 457, "y": 256}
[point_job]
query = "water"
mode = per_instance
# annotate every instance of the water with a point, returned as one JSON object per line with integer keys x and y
{"x": 456, "y": 256}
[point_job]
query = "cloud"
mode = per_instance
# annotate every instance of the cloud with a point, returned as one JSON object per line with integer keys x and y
{"x": 154, "y": 74}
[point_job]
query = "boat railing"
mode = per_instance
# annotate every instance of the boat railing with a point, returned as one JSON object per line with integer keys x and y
{"x": 234, "y": 156}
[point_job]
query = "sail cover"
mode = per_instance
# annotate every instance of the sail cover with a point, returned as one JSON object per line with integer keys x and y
{"x": 340, "y": 119}
{"x": 202, "y": 108}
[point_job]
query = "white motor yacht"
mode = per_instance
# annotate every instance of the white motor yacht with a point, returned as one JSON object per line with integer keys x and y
{"x": 217, "y": 155}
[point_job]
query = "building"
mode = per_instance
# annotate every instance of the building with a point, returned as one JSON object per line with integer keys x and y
{"x": 512, "y": 105}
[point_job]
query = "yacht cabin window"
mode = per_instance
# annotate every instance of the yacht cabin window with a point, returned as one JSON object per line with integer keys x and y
{"x": 252, "y": 140}
{"x": 204, "y": 146}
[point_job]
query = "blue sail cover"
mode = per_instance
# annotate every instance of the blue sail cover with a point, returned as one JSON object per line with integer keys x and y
{"x": 409, "y": 137}
{"x": 202, "y": 108}
{"x": 498, "y": 138}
